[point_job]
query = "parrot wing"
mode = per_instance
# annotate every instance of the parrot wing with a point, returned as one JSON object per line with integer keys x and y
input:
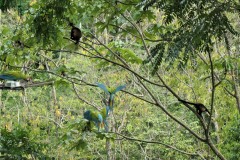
{"x": 119, "y": 88}
{"x": 103, "y": 87}
{"x": 7, "y": 77}
{"x": 14, "y": 75}
{"x": 100, "y": 118}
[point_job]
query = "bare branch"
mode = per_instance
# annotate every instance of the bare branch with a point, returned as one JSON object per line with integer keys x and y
{"x": 155, "y": 142}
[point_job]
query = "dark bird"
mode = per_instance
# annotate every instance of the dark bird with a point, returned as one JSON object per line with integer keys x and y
{"x": 199, "y": 107}
{"x": 76, "y": 33}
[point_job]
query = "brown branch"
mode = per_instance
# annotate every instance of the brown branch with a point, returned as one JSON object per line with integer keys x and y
{"x": 139, "y": 97}
{"x": 37, "y": 84}
{"x": 155, "y": 142}
{"x": 101, "y": 57}
{"x": 213, "y": 90}
{"x": 168, "y": 88}
{"x": 209, "y": 141}
{"x": 149, "y": 92}
{"x": 70, "y": 79}
{"x": 124, "y": 67}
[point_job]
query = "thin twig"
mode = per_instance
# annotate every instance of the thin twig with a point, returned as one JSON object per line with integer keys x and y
{"x": 82, "y": 99}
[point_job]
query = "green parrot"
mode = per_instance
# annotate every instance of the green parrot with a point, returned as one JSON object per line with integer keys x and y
{"x": 95, "y": 117}
{"x": 109, "y": 106}
{"x": 111, "y": 93}
{"x": 14, "y": 76}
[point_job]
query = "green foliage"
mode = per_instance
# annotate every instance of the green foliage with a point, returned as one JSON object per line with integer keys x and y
{"x": 6, "y": 4}
{"x": 17, "y": 144}
{"x": 118, "y": 47}
{"x": 175, "y": 32}
{"x": 46, "y": 19}
{"x": 197, "y": 24}
{"x": 78, "y": 127}
{"x": 157, "y": 53}
{"x": 61, "y": 82}
{"x": 231, "y": 137}
{"x": 20, "y": 5}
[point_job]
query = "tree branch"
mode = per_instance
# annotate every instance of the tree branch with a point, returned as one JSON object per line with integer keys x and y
{"x": 155, "y": 142}
{"x": 167, "y": 87}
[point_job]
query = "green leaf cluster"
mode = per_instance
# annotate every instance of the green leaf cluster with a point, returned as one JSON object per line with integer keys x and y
{"x": 17, "y": 144}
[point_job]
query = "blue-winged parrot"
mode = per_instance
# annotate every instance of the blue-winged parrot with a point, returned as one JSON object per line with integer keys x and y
{"x": 95, "y": 117}
{"x": 111, "y": 93}
{"x": 14, "y": 76}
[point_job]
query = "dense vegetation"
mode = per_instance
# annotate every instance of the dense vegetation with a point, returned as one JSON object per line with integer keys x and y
{"x": 162, "y": 50}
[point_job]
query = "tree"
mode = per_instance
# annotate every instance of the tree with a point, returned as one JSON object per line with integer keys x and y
{"x": 176, "y": 41}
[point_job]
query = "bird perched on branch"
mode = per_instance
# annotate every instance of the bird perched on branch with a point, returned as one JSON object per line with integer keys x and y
{"x": 95, "y": 117}
{"x": 111, "y": 93}
{"x": 76, "y": 33}
{"x": 199, "y": 107}
{"x": 14, "y": 76}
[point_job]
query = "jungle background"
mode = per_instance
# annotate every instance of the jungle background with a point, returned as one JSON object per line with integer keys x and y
{"x": 162, "y": 50}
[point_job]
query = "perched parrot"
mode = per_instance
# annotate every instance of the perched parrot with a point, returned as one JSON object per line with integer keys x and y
{"x": 94, "y": 117}
{"x": 14, "y": 76}
{"x": 111, "y": 93}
